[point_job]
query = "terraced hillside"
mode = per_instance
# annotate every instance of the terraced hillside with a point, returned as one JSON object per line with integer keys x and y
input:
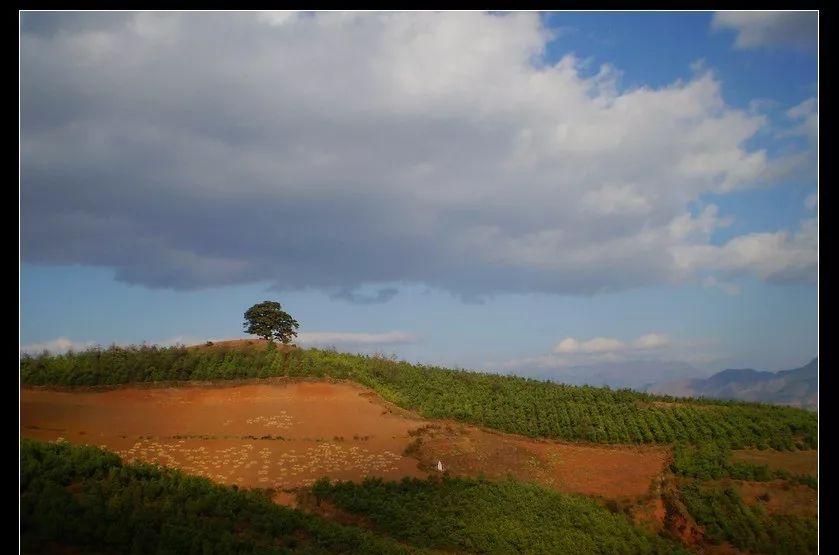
{"x": 530, "y": 466}
{"x": 516, "y": 405}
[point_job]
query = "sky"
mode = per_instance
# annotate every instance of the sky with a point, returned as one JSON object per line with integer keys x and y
{"x": 588, "y": 197}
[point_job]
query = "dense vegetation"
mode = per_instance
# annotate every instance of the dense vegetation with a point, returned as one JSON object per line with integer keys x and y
{"x": 511, "y": 404}
{"x": 485, "y": 517}
{"x": 85, "y": 498}
{"x": 712, "y": 461}
{"x": 727, "y": 519}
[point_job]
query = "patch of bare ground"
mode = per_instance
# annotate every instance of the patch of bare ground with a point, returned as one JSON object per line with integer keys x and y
{"x": 649, "y": 511}
{"x": 779, "y": 497}
{"x": 279, "y": 436}
{"x": 613, "y": 472}
{"x": 286, "y": 498}
{"x": 282, "y": 434}
{"x": 649, "y": 514}
{"x": 678, "y": 522}
{"x": 796, "y": 462}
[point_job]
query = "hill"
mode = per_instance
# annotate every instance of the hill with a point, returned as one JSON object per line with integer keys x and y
{"x": 719, "y": 476}
{"x": 87, "y": 500}
{"x": 797, "y": 387}
{"x": 510, "y": 404}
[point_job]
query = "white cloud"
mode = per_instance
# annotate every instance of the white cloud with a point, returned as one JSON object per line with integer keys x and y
{"x": 615, "y": 199}
{"x": 607, "y": 345}
{"x": 55, "y": 346}
{"x": 767, "y": 29}
{"x": 803, "y": 110}
{"x": 570, "y": 345}
{"x": 776, "y": 257}
{"x": 353, "y": 149}
{"x": 356, "y": 338}
{"x": 277, "y": 17}
{"x": 649, "y": 358}
{"x": 651, "y": 341}
{"x": 806, "y": 118}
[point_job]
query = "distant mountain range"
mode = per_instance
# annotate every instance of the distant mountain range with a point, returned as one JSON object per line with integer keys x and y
{"x": 637, "y": 375}
{"x": 797, "y": 387}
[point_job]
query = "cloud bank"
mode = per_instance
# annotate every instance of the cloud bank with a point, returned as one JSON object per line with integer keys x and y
{"x": 770, "y": 29}
{"x": 637, "y": 363}
{"x": 571, "y": 351}
{"x": 338, "y": 151}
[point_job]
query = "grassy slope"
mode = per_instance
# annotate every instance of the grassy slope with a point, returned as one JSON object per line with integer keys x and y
{"x": 510, "y": 404}
{"x": 481, "y": 516}
{"x": 490, "y": 517}
{"x": 86, "y": 498}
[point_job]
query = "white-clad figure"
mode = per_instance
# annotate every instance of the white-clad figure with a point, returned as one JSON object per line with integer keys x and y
{"x": 440, "y": 466}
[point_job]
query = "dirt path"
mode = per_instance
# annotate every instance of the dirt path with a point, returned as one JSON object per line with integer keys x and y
{"x": 286, "y": 435}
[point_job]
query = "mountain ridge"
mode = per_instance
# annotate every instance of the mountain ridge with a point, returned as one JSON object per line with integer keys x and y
{"x": 797, "y": 387}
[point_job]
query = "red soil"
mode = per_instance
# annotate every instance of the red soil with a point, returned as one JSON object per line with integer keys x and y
{"x": 609, "y": 471}
{"x": 796, "y": 462}
{"x": 284, "y": 435}
{"x": 316, "y": 429}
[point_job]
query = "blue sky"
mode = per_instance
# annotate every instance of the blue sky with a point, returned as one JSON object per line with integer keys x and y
{"x": 448, "y": 188}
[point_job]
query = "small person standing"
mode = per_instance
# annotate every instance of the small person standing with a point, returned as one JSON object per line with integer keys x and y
{"x": 440, "y": 466}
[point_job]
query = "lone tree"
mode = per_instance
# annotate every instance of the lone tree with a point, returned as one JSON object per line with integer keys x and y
{"x": 269, "y": 321}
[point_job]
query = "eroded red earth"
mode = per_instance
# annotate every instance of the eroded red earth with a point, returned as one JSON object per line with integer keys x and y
{"x": 284, "y": 435}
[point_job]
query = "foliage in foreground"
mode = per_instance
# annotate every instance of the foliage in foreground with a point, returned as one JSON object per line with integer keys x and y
{"x": 725, "y": 518}
{"x": 490, "y": 517}
{"x": 85, "y": 498}
{"x": 712, "y": 461}
{"x": 517, "y": 405}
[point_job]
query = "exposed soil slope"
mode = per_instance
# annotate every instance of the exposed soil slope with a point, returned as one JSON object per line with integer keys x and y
{"x": 284, "y": 435}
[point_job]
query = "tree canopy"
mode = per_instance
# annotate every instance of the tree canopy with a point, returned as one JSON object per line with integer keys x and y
{"x": 269, "y": 321}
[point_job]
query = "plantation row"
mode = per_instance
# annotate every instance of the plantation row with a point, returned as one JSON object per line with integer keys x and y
{"x": 85, "y": 500}
{"x": 511, "y": 404}
{"x": 484, "y": 517}
{"x": 726, "y": 518}
{"x": 712, "y": 461}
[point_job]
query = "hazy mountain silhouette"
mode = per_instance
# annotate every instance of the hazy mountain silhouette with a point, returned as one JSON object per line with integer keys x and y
{"x": 797, "y": 387}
